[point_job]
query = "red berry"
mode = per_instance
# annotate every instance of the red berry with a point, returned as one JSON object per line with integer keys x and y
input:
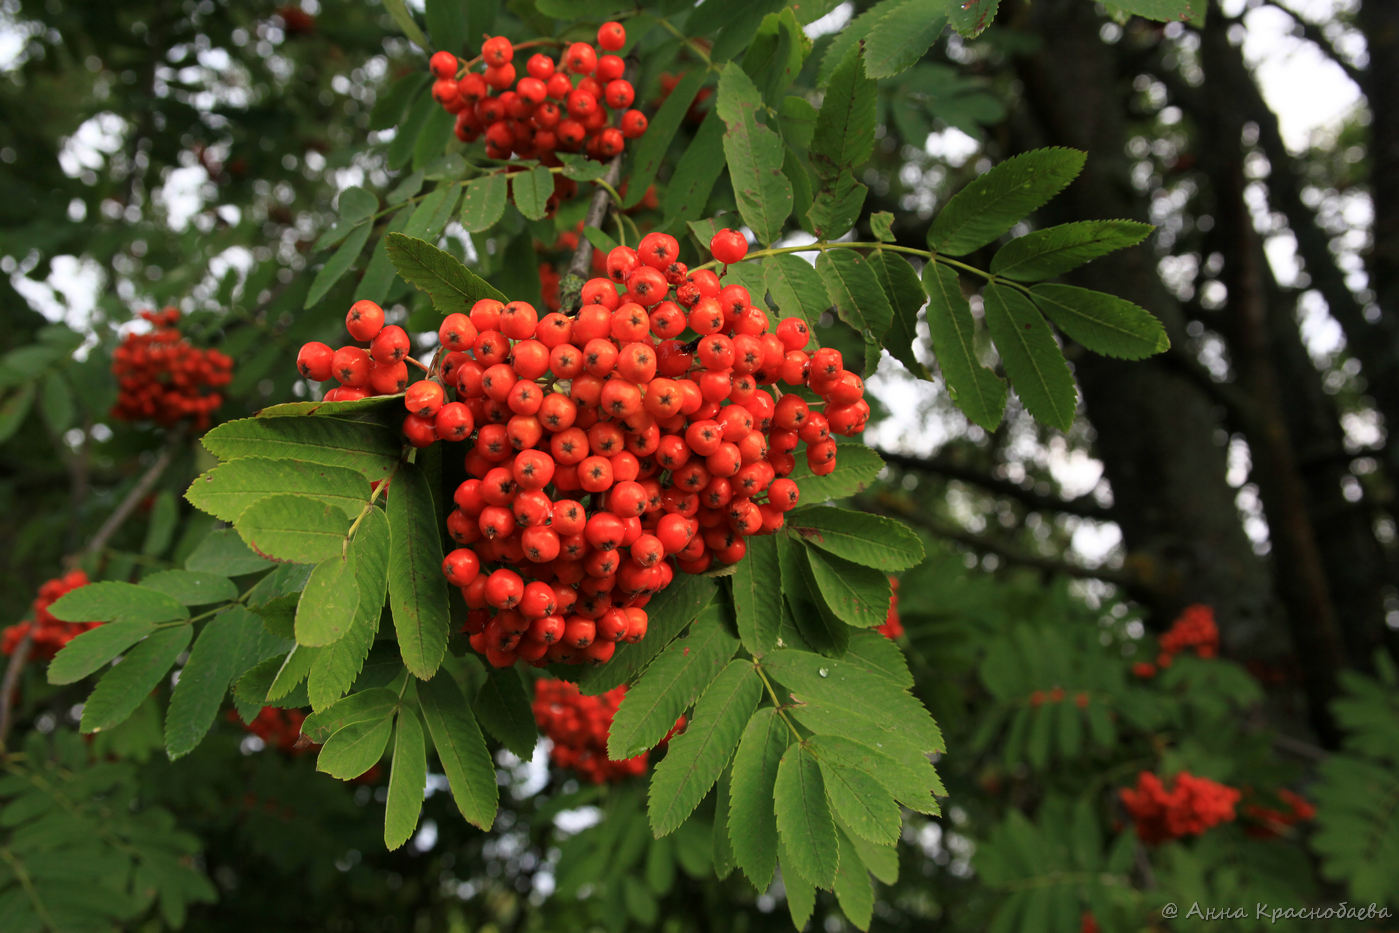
{"x": 364, "y": 320}
{"x": 729, "y": 246}
{"x": 611, "y": 36}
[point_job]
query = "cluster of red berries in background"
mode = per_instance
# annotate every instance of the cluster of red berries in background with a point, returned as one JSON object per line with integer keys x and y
{"x": 1056, "y": 695}
{"x": 1191, "y": 806}
{"x": 162, "y": 378}
{"x": 547, "y": 106}
{"x": 607, "y": 452}
{"x": 278, "y": 728}
{"x": 49, "y": 634}
{"x": 893, "y": 627}
{"x": 1194, "y": 629}
{"x": 1264, "y": 822}
{"x": 578, "y": 726}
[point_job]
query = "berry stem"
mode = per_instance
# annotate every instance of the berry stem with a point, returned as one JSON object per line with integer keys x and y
{"x": 465, "y": 66}
{"x": 821, "y": 246}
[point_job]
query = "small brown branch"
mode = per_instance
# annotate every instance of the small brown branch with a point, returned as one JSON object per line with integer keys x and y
{"x": 11, "y": 681}
{"x": 143, "y": 487}
{"x": 1314, "y": 34}
{"x": 597, "y": 214}
{"x": 888, "y": 505}
{"x": 1084, "y": 506}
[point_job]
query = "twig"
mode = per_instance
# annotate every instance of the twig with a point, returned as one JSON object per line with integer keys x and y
{"x": 597, "y": 213}
{"x": 11, "y": 681}
{"x": 1084, "y": 506}
{"x": 133, "y": 497}
{"x": 1314, "y": 34}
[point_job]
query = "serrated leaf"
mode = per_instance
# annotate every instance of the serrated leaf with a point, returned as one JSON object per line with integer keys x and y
{"x": 370, "y": 449}
{"x": 856, "y": 469}
{"x": 109, "y": 601}
{"x": 1101, "y": 322}
{"x": 854, "y": 290}
{"x": 754, "y": 154}
{"x": 906, "y": 296}
{"x": 229, "y": 488}
{"x": 452, "y": 287}
{"x": 836, "y": 206}
{"x": 975, "y": 389}
{"x": 797, "y": 290}
{"x": 293, "y": 528}
{"x": 971, "y": 17}
{"x": 668, "y": 612}
{"x": 1033, "y": 361}
{"x": 365, "y": 706}
{"x": 431, "y": 214}
{"x": 232, "y": 642}
{"x": 417, "y": 589}
{"x": 337, "y": 265}
{"x": 92, "y": 649}
{"x": 757, "y": 603}
{"x": 903, "y": 35}
{"x": 125, "y": 686}
{"x": 582, "y": 168}
{"x": 853, "y": 889}
{"x": 192, "y": 588}
{"x": 1001, "y": 198}
{"x": 668, "y": 687}
{"x": 356, "y": 205}
{"x": 531, "y": 191}
{"x": 1166, "y": 11}
{"x": 651, "y": 149}
{"x": 355, "y": 749}
{"x": 695, "y": 758}
{"x": 723, "y": 854}
{"x": 870, "y": 540}
{"x": 861, "y": 803}
{"x": 503, "y": 708}
{"x": 483, "y": 202}
{"x": 844, "y": 133}
{"x": 751, "y": 818}
{"x": 407, "y": 780}
{"x": 804, "y": 818}
{"x": 294, "y": 669}
{"x": 879, "y": 655}
{"x": 1053, "y": 251}
{"x": 461, "y": 749}
{"x": 857, "y": 595}
{"x": 223, "y": 552}
{"x": 880, "y": 861}
{"x": 854, "y": 33}
{"x": 328, "y": 603}
{"x": 336, "y": 668}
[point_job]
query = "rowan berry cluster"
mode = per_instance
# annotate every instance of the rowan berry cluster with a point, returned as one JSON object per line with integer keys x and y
{"x": 577, "y": 726}
{"x": 1191, "y": 806}
{"x": 893, "y": 627}
{"x": 1264, "y": 822}
{"x": 162, "y": 378}
{"x": 382, "y": 369}
{"x": 48, "y": 634}
{"x": 1193, "y": 628}
{"x": 564, "y": 105}
{"x": 1056, "y": 695}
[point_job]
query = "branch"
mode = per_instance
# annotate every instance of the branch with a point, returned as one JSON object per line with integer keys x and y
{"x": 888, "y": 505}
{"x": 133, "y": 498}
{"x": 1314, "y": 34}
{"x": 7, "y": 687}
{"x": 597, "y": 213}
{"x": 1084, "y": 506}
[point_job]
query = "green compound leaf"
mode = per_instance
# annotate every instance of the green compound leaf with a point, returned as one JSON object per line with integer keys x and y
{"x": 698, "y": 755}
{"x": 757, "y": 603}
{"x": 751, "y": 817}
{"x": 653, "y": 145}
{"x": 853, "y": 889}
{"x": 109, "y": 601}
{"x": 871, "y": 540}
{"x": 1101, "y": 322}
{"x": 1033, "y": 361}
{"x": 903, "y": 35}
{"x": 668, "y": 612}
{"x": 795, "y": 287}
{"x": 365, "y": 706}
{"x": 368, "y": 448}
{"x": 503, "y": 707}
{"x": 328, "y": 603}
{"x": 854, "y": 289}
{"x": 856, "y": 468}
{"x": 451, "y": 286}
{"x": 904, "y": 773}
{"x": 191, "y": 588}
{"x": 975, "y": 389}
{"x": 754, "y": 154}
{"x": 462, "y": 750}
{"x": 417, "y": 589}
{"x": 695, "y": 174}
{"x": 804, "y": 821}
{"x": 844, "y": 134}
{"x": 858, "y": 596}
{"x": 355, "y": 749}
{"x": 971, "y": 17}
{"x": 337, "y": 666}
{"x": 124, "y": 687}
{"x": 1001, "y": 198}
{"x": 862, "y": 804}
{"x": 905, "y": 292}
{"x": 483, "y": 202}
{"x": 91, "y": 650}
{"x": 337, "y": 265}
{"x": 668, "y": 687}
{"x": 532, "y": 190}
{"x": 879, "y": 655}
{"x": 1166, "y": 11}
{"x": 294, "y": 528}
{"x": 407, "y": 780}
{"x": 1053, "y": 251}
